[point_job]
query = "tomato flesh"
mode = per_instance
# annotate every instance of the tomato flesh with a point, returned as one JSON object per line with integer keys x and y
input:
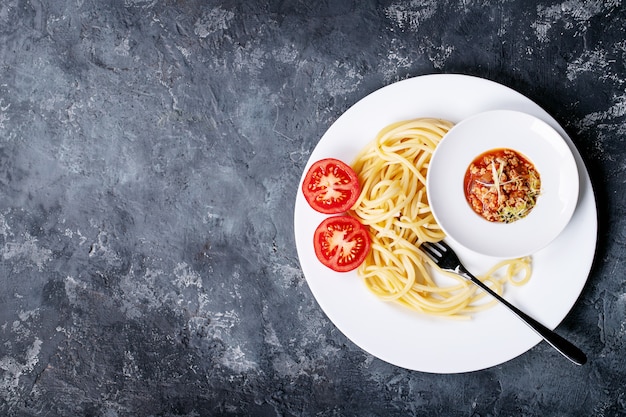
{"x": 331, "y": 186}
{"x": 341, "y": 243}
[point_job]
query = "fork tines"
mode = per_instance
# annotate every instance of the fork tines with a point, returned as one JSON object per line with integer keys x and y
{"x": 434, "y": 250}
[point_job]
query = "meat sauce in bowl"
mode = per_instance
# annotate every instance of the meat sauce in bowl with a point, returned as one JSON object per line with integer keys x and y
{"x": 501, "y": 185}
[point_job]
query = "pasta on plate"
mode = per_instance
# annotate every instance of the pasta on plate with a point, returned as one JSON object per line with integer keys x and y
{"x": 393, "y": 205}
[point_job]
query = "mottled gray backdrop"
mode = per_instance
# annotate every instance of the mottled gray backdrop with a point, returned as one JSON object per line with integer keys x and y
{"x": 150, "y": 153}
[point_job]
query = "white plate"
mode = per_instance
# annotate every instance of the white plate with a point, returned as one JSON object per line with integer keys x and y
{"x": 534, "y": 139}
{"x": 418, "y": 342}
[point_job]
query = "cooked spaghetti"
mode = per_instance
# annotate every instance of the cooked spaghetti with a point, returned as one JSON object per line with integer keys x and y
{"x": 393, "y": 204}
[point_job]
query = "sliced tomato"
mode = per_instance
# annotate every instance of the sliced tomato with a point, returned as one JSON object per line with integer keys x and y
{"x": 341, "y": 243}
{"x": 331, "y": 186}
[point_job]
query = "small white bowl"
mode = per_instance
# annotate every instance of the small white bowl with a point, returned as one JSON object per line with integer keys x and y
{"x": 534, "y": 139}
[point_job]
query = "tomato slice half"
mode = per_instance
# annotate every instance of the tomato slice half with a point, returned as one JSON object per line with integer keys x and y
{"x": 331, "y": 186}
{"x": 341, "y": 243}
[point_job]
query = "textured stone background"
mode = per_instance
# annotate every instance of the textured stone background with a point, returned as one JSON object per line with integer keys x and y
{"x": 150, "y": 153}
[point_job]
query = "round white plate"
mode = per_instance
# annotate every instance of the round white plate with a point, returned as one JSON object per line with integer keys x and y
{"x": 540, "y": 144}
{"x": 429, "y": 344}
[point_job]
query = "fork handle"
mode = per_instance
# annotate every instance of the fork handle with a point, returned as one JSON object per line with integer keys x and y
{"x": 565, "y": 347}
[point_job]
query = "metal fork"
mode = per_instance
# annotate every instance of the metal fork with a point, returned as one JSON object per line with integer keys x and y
{"x": 447, "y": 260}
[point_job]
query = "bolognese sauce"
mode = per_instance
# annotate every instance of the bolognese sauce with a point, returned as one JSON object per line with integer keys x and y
{"x": 501, "y": 185}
